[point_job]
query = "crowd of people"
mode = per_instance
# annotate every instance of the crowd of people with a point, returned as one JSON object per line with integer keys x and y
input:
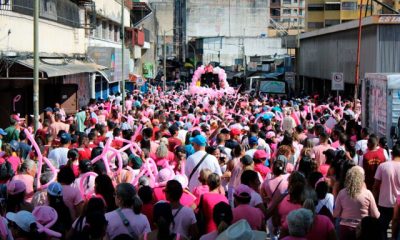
{"x": 169, "y": 166}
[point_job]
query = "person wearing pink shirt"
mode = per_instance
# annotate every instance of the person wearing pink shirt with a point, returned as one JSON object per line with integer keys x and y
{"x": 127, "y": 219}
{"x": 322, "y": 227}
{"x": 321, "y": 148}
{"x": 203, "y": 188}
{"x": 222, "y": 215}
{"x": 26, "y": 175}
{"x": 292, "y": 201}
{"x": 209, "y": 200}
{"x": 353, "y": 203}
{"x": 243, "y": 210}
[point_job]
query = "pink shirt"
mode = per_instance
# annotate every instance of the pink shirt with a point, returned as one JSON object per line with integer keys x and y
{"x": 138, "y": 223}
{"x": 355, "y": 209}
{"x": 319, "y": 153}
{"x": 269, "y": 186}
{"x": 208, "y": 202}
{"x": 321, "y": 229}
{"x": 159, "y": 194}
{"x": 72, "y": 197}
{"x": 28, "y": 180}
{"x": 187, "y": 199}
{"x": 14, "y": 161}
{"x": 389, "y": 175}
{"x": 285, "y": 207}
{"x": 254, "y": 216}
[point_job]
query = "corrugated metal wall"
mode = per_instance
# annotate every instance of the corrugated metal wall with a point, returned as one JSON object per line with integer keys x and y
{"x": 322, "y": 55}
{"x": 389, "y": 48}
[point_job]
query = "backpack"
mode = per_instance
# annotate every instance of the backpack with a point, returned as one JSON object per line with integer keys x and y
{"x": 6, "y": 171}
{"x": 326, "y": 212}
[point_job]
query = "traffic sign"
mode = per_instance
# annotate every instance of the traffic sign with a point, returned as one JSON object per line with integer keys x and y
{"x": 139, "y": 81}
{"x": 337, "y": 81}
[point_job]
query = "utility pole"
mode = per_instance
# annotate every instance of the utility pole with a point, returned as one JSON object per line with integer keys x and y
{"x": 36, "y": 65}
{"x": 357, "y": 72}
{"x": 165, "y": 61}
{"x": 123, "y": 53}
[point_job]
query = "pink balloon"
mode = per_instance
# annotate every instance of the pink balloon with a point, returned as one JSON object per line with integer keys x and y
{"x": 46, "y": 228}
{"x": 40, "y": 162}
{"x": 81, "y": 184}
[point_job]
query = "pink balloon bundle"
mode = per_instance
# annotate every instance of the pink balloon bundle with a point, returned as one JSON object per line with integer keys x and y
{"x": 149, "y": 169}
{"x": 40, "y": 159}
{"x": 104, "y": 158}
{"x": 46, "y": 212}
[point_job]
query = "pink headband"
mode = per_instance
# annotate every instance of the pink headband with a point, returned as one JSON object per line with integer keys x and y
{"x": 319, "y": 181}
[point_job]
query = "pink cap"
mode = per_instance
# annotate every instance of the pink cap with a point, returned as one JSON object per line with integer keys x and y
{"x": 242, "y": 189}
{"x": 15, "y": 186}
{"x": 165, "y": 175}
{"x": 270, "y": 135}
{"x": 260, "y": 154}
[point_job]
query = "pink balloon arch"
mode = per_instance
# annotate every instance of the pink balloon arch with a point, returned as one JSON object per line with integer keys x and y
{"x": 223, "y": 83}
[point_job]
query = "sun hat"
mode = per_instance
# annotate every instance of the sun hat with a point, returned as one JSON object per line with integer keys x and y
{"x": 23, "y": 219}
{"x": 46, "y": 217}
{"x": 241, "y": 230}
{"x": 16, "y": 186}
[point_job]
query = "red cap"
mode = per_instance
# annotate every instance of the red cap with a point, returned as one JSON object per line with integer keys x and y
{"x": 235, "y": 131}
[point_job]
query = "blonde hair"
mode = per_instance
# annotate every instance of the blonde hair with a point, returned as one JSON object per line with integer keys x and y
{"x": 162, "y": 151}
{"x": 354, "y": 181}
{"x": 204, "y": 173}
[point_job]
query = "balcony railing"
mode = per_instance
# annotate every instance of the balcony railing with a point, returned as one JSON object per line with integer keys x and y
{"x": 61, "y": 11}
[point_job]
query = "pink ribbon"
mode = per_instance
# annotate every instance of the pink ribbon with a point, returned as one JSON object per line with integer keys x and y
{"x": 82, "y": 183}
{"x": 103, "y": 157}
{"x": 15, "y": 100}
{"x": 46, "y": 228}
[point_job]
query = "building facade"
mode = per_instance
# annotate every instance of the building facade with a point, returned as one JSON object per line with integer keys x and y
{"x": 324, "y": 13}
{"x": 334, "y": 49}
{"x": 287, "y": 14}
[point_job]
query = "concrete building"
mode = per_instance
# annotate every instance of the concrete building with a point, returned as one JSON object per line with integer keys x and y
{"x": 79, "y": 45}
{"x": 324, "y": 13}
{"x": 288, "y": 14}
{"x": 334, "y": 49}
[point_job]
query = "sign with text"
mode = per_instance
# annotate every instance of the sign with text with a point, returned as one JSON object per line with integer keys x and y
{"x": 337, "y": 81}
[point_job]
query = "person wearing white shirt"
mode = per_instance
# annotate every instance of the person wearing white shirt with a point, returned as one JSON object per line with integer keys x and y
{"x": 201, "y": 160}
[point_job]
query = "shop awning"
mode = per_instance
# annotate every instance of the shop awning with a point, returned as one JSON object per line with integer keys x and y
{"x": 54, "y": 67}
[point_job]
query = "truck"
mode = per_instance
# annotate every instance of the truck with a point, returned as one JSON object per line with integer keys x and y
{"x": 266, "y": 84}
{"x": 381, "y": 105}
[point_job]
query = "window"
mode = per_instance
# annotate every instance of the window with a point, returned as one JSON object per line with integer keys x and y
{"x": 287, "y": 2}
{"x": 349, "y": 6}
{"x": 301, "y": 12}
{"x": 315, "y": 7}
{"x": 116, "y": 33}
{"x": 98, "y": 28}
{"x": 332, "y": 6}
{"x": 315, "y": 25}
{"x": 104, "y": 32}
{"x": 286, "y": 11}
{"x": 331, "y": 22}
{"x": 295, "y": 1}
{"x": 111, "y": 32}
{"x": 275, "y": 12}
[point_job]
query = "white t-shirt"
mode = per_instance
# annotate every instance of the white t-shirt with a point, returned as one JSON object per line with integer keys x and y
{"x": 255, "y": 199}
{"x": 183, "y": 220}
{"x": 59, "y": 155}
{"x": 209, "y": 162}
{"x": 138, "y": 222}
{"x": 328, "y": 201}
{"x": 251, "y": 152}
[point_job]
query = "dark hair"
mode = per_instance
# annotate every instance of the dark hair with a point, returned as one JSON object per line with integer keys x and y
{"x": 162, "y": 216}
{"x": 321, "y": 189}
{"x": 66, "y": 175}
{"x": 174, "y": 190}
{"x": 146, "y": 194}
{"x": 370, "y": 229}
{"x": 372, "y": 141}
{"x": 85, "y": 166}
{"x": 73, "y": 154}
{"x": 222, "y": 216}
{"x": 248, "y": 177}
{"x": 297, "y": 183}
{"x": 278, "y": 168}
{"x": 96, "y": 152}
{"x": 64, "y": 221}
{"x": 15, "y": 201}
{"x": 307, "y": 165}
{"x": 96, "y": 225}
{"x": 396, "y": 150}
{"x": 213, "y": 181}
{"x": 127, "y": 194}
{"x": 104, "y": 187}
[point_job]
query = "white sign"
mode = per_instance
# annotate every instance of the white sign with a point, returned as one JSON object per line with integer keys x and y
{"x": 337, "y": 81}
